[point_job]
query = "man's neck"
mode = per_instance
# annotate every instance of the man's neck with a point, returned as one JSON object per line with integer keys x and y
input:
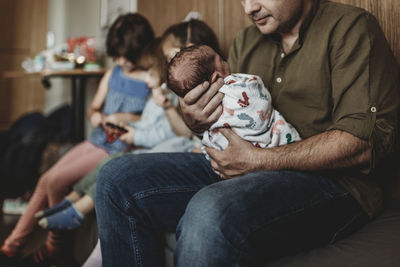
{"x": 289, "y": 38}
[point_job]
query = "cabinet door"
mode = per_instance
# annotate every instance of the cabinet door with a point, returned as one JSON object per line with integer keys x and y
{"x": 23, "y": 27}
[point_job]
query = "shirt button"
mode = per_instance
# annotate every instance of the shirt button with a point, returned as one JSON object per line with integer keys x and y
{"x": 373, "y": 109}
{"x": 279, "y": 80}
{"x": 282, "y": 55}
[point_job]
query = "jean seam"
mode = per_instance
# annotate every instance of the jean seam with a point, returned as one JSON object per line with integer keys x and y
{"x": 333, "y": 239}
{"x": 152, "y": 192}
{"x": 311, "y": 204}
{"x": 132, "y": 226}
{"x": 132, "y": 222}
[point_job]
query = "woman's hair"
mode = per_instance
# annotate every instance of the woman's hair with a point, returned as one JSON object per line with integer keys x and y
{"x": 153, "y": 58}
{"x": 193, "y": 31}
{"x": 191, "y": 66}
{"x": 128, "y": 35}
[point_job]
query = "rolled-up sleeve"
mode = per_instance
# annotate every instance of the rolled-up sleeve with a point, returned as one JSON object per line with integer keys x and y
{"x": 365, "y": 87}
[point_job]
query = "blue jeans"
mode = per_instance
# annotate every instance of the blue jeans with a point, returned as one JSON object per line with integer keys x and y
{"x": 244, "y": 221}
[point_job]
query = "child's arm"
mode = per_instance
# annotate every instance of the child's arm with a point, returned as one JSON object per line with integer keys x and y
{"x": 95, "y": 114}
{"x": 177, "y": 124}
{"x": 174, "y": 117}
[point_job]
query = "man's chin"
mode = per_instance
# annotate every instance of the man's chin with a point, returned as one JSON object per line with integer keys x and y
{"x": 267, "y": 28}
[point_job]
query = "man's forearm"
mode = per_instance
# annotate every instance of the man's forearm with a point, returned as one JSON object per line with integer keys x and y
{"x": 326, "y": 151}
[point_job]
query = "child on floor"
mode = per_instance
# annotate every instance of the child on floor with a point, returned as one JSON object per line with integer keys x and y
{"x": 247, "y": 103}
{"x": 150, "y": 131}
{"x": 120, "y": 98}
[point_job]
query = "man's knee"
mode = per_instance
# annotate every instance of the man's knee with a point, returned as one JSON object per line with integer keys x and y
{"x": 122, "y": 178}
{"x": 207, "y": 211}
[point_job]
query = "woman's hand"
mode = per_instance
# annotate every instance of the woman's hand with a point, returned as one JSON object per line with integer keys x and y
{"x": 128, "y": 136}
{"x": 240, "y": 157}
{"x": 201, "y": 107}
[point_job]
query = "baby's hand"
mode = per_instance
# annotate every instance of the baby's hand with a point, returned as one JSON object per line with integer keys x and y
{"x": 128, "y": 136}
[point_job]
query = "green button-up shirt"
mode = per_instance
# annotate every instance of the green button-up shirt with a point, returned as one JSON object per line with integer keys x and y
{"x": 340, "y": 74}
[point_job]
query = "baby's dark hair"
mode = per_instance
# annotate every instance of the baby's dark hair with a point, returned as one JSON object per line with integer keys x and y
{"x": 189, "y": 68}
{"x": 128, "y": 35}
{"x": 152, "y": 57}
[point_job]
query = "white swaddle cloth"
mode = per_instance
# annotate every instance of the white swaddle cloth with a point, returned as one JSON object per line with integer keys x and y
{"x": 248, "y": 111}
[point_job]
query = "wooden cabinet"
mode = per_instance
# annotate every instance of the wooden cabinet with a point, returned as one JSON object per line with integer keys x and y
{"x": 23, "y": 27}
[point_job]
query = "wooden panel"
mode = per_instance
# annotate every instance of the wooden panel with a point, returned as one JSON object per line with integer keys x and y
{"x": 15, "y": 24}
{"x": 234, "y": 20}
{"x": 169, "y": 12}
{"x": 388, "y": 14}
{"x": 23, "y": 27}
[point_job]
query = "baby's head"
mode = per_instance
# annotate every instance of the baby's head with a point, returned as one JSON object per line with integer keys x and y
{"x": 194, "y": 65}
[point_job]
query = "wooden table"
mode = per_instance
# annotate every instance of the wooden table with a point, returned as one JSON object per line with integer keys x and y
{"x": 78, "y": 77}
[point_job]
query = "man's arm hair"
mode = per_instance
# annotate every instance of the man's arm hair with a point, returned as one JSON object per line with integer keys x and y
{"x": 331, "y": 150}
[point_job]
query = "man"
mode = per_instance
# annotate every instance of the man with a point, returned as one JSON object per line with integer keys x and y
{"x": 332, "y": 75}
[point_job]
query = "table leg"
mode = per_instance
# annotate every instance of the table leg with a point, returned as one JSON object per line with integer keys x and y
{"x": 78, "y": 106}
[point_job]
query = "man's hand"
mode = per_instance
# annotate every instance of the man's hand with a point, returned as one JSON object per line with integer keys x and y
{"x": 201, "y": 107}
{"x": 330, "y": 150}
{"x": 237, "y": 159}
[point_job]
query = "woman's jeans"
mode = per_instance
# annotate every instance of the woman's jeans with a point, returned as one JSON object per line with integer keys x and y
{"x": 244, "y": 221}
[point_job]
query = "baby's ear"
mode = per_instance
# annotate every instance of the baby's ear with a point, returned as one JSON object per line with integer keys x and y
{"x": 215, "y": 76}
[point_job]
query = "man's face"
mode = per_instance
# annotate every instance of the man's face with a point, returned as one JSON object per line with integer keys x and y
{"x": 274, "y": 16}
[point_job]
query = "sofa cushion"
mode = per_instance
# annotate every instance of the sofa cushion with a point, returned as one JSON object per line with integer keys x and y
{"x": 376, "y": 244}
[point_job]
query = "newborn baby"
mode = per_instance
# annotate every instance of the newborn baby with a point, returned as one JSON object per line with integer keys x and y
{"x": 247, "y": 106}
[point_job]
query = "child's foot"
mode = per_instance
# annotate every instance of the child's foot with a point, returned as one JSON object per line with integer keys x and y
{"x": 67, "y": 219}
{"x": 56, "y": 208}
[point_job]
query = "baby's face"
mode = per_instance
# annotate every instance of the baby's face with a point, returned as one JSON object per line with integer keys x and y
{"x": 221, "y": 65}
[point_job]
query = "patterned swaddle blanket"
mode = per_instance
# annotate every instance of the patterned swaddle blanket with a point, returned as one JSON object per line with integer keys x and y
{"x": 248, "y": 111}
